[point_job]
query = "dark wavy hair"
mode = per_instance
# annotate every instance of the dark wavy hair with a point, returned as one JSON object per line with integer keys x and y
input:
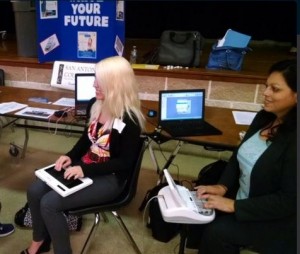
{"x": 288, "y": 69}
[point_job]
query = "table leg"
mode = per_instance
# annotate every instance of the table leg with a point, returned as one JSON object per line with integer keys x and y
{"x": 25, "y": 140}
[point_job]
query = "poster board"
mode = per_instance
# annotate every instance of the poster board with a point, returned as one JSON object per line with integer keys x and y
{"x": 76, "y": 30}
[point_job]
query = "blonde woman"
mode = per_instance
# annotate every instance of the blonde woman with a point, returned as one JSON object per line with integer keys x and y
{"x": 105, "y": 152}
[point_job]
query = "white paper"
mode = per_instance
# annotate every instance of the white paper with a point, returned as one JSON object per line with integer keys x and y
{"x": 43, "y": 113}
{"x": 243, "y": 117}
{"x": 7, "y": 107}
{"x": 67, "y": 102}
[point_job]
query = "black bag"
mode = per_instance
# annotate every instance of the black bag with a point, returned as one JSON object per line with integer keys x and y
{"x": 180, "y": 48}
{"x": 211, "y": 173}
{"x": 161, "y": 230}
{"x": 23, "y": 219}
{"x": 228, "y": 58}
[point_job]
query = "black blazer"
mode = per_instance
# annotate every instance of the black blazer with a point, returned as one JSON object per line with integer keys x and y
{"x": 273, "y": 182}
{"x": 123, "y": 149}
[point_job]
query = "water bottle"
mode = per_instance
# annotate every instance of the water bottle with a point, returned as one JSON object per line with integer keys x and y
{"x": 133, "y": 55}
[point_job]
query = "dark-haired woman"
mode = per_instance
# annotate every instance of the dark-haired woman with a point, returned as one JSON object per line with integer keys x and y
{"x": 264, "y": 167}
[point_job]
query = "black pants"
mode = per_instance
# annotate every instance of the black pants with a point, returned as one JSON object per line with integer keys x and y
{"x": 47, "y": 208}
{"x": 227, "y": 235}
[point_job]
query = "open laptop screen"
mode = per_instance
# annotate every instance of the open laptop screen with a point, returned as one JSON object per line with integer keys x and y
{"x": 181, "y": 104}
{"x": 84, "y": 91}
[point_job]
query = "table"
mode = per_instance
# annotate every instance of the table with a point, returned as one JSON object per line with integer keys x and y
{"x": 21, "y": 95}
{"x": 221, "y": 118}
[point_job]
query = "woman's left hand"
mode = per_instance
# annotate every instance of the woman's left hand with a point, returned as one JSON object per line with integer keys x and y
{"x": 75, "y": 172}
{"x": 219, "y": 203}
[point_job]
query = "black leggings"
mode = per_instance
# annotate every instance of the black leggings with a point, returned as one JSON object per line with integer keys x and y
{"x": 47, "y": 208}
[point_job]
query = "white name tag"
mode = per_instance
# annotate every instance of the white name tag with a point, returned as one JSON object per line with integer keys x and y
{"x": 119, "y": 125}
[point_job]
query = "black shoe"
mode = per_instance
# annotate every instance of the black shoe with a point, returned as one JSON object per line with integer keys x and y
{"x": 45, "y": 247}
{"x": 6, "y": 229}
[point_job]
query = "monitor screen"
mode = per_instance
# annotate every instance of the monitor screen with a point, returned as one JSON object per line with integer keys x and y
{"x": 84, "y": 89}
{"x": 182, "y": 104}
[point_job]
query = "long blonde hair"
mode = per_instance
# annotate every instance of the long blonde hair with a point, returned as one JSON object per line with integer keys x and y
{"x": 120, "y": 90}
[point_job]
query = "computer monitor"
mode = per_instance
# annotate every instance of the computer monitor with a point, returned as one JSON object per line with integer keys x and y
{"x": 84, "y": 91}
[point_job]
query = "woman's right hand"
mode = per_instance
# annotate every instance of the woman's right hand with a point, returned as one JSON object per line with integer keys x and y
{"x": 63, "y": 162}
{"x": 217, "y": 189}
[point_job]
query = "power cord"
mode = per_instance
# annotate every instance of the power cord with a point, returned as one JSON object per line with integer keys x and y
{"x": 60, "y": 114}
{"x": 146, "y": 210}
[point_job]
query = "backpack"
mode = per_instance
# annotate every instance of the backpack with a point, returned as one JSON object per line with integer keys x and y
{"x": 23, "y": 219}
{"x": 161, "y": 230}
{"x": 211, "y": 173}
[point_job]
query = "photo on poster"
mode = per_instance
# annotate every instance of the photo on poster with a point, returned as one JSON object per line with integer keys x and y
{"x": 48, "y": 9}
{"x": 87, "y": 44}
{"x": 49, "y": 44}
{"x": 119, "y": 47}
{"x": 120, "y": 10}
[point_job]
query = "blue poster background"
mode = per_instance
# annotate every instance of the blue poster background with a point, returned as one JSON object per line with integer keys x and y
{"x": 79, "y": 30}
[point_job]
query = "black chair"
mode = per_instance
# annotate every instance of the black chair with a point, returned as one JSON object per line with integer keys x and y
{"x": 125, "y": 198}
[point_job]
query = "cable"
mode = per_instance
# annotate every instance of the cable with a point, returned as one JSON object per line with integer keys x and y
{"x": 66, "y": 112}
{"x": 144, "y": 214}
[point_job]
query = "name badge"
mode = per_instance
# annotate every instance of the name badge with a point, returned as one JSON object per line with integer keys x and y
{"x": 118, "y": 125}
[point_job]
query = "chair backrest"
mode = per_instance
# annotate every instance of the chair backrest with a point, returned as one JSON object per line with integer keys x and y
{"x": 128, "y": 193}
{"x": 132, "y": 182}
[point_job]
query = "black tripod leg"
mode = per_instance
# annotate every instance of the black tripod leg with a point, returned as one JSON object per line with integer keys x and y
{"x": 183, "y": 236}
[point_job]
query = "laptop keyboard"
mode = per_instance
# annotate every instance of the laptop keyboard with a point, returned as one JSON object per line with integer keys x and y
{"x": 191, "y": 129}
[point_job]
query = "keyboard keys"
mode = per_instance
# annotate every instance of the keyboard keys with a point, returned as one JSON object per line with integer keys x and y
{"x": 196, "y": 203}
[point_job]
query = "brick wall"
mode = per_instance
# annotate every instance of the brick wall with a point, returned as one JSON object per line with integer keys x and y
{"x": 234, "y": 95}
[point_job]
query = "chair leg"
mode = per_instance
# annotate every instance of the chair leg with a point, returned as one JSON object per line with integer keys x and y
{"x": 105, "y": 219}
{"x": 121, "y": 223}
{"x": 92, "y": 231}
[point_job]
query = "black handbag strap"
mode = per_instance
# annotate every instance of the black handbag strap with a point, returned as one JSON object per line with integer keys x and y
{"x": 194, "y": 48}
{"x": 180, "y": 39}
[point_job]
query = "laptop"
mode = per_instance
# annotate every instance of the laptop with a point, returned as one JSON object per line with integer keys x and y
{"x": 84, "y": 91}
{"x": 182, "y": 113}
{"x": 55, "y": 179}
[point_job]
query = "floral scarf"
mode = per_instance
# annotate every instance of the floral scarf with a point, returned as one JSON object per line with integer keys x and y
{"x": 99, "y": 150}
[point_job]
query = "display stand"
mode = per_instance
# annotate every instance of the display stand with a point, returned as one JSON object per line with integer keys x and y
{"x": 82, "y": 31}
